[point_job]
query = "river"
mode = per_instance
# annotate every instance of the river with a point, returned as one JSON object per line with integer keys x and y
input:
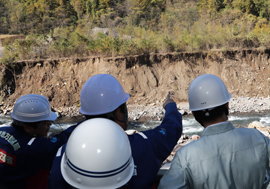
{"x": 190, "y": 126}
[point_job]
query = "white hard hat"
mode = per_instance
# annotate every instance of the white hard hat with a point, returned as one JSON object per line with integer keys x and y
{"x": 97, "y": 155}
{"x": 207, "y": 91}
{"x": 33, "y": 108}
{"x": 101, "y": 94}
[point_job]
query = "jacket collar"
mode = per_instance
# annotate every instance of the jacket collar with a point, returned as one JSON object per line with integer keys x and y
{"x": 218, "y": 128}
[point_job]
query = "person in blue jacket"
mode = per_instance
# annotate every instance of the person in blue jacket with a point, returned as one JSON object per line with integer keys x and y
{"x": 103, "y": 96}
{"x": 26, "y": 154}
{"x": 110, "y": 151}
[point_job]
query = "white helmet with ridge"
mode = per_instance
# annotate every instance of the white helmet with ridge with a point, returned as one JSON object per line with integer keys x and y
{"x": 97, "y": 155}
{"x": 102, "y": 94}
{"x": 207, "y": 91}
{"x": 33, "y": 108}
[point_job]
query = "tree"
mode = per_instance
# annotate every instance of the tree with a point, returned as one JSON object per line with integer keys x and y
{"x": 212, "y": 7}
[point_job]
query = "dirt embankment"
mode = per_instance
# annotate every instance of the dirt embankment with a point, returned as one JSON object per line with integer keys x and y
{"x": 147, "y": 78}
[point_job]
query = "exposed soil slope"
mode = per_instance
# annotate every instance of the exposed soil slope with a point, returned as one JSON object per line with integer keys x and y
{"x": 148, "y": 78}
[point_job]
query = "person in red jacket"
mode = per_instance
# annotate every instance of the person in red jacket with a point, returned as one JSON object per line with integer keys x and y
{"x": 26, "y": 154}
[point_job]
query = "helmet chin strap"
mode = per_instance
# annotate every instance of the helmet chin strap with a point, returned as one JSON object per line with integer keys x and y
{"x": 125, "y": 118}
{"x": 125, "y": 121}
{"x": 113, "y": 117}
{"x": 39, "y": 125}
{"x": 18, "y": 123}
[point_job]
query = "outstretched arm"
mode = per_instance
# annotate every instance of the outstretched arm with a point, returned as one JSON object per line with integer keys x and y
{"x": 164, "y": 137}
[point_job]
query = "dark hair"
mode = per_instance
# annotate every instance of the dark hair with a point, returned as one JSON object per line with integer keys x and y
{"x": 110, "y": 115}
{"x": 210, "y": 115}
{"x": 18, "y": 125}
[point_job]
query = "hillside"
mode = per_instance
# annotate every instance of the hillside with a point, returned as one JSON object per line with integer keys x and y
{"x": 68, "y": 28}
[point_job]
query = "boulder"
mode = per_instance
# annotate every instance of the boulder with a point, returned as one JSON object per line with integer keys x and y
{"x": 183, "y": 112}
{"x": 97, "y": 30}
{"x": 257, "y": 125}
{"x": 195, "y": 137}
{"x": 127, "y": 37}
{"x": 261, "y": 127}
{"x": 131, "y": 131}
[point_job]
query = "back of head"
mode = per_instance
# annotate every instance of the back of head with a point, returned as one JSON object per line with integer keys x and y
{"x": 207, "y": 96}
{"x": 101, "y": 94}
{"x": 97, "y": 155}
{"x": 32, "y": 108}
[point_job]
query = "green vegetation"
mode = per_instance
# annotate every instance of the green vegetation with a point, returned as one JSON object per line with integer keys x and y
{"x": 64, "y": 28}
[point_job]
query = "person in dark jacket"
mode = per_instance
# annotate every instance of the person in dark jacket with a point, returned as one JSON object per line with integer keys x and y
{"x": 102, "y": 96}
{"x": 26, "y": 154}
{"x": 97, "y": 155}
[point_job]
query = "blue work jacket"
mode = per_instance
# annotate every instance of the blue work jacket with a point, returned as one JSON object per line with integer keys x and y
{"x": 25, "y": 161}
{"x": 149, "y": 149}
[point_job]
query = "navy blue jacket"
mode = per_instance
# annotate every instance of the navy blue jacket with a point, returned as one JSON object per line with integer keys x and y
{"x": 149, "y": 149}
{"x": 25, "y": 161}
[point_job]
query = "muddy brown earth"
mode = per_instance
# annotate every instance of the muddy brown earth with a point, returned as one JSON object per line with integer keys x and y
{"x": 147, "y": 78}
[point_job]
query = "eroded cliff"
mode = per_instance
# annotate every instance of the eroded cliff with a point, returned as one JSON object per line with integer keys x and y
{"x": 147, "y": 78}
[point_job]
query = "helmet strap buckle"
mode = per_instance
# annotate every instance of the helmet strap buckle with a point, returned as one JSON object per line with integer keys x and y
{"x": 207, "y": 111}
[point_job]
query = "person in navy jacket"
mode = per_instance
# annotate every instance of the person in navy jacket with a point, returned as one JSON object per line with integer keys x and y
{"x": 110, "y": 151}
{"x": 26, "y": 154}
{"x": 103, "y": 96}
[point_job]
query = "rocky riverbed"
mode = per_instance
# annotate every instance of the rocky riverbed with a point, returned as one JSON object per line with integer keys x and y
{"x": 154, "y": 111}
{"x": 237, "y": 105}
{"x": 184, "y": 140}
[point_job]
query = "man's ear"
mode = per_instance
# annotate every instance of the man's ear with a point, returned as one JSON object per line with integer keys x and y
{"x": 118, "y": 114}
{"x": 227, "y": 105}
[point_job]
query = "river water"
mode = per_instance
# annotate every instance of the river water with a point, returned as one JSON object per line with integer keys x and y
{"x": 190, "y": 126}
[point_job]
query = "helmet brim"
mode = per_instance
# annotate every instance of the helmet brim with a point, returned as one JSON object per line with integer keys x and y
{"x": 53, "y": 117}
{"x": 63, "y": 166}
